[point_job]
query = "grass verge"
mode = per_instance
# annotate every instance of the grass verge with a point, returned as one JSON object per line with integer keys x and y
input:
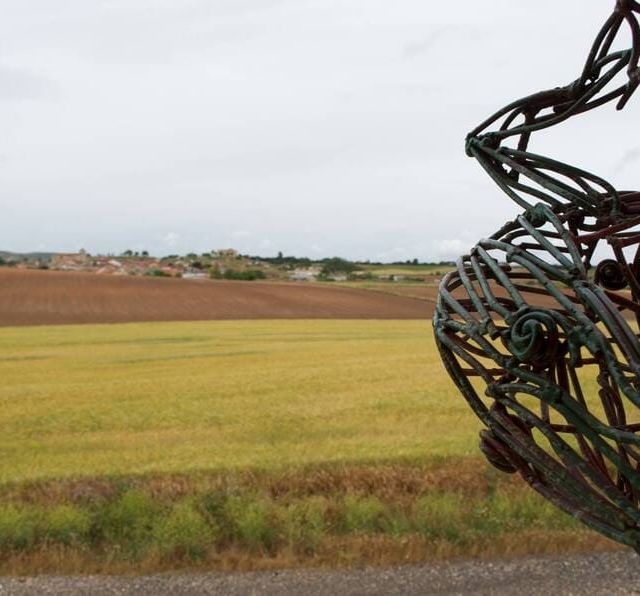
{"x": 348, "y": 514}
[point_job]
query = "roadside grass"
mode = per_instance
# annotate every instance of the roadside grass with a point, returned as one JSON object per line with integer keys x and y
{"x": 248, "y": 444}
{"x": 349, "y": 514}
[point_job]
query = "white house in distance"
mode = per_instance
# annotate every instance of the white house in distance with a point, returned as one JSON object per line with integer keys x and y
{"x": 308, "y": 274}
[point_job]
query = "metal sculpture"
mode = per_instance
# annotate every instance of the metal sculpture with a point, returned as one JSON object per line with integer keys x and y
{"x": 542, "y": 343}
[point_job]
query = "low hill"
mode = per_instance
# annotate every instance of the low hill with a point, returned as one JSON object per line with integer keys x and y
{"x": 29, "y": 297}
{"x": 16, "y": 257}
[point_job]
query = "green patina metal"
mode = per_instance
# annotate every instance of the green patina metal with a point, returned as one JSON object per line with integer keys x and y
{"x": 540, "y": 317}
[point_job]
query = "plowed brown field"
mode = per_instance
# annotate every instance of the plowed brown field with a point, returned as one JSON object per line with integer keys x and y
{"x": 51, "y": 297}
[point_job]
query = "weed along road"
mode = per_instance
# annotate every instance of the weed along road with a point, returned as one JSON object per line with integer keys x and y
{"x": 608, "y": 574}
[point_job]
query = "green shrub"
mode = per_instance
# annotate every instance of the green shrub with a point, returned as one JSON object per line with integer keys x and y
{"x": 67, "y": 525}
{"x": 157, "y": 273}
{"x": 184, "y": 531}
{"x": 19, "y": 527}
{"x": 303, "y": 524}
{"x": 397, "y": 523}
{"x": 510, "y": 513}
{"x": 249, "y": 522}
{"x": 246, "y": 275}
{"x": 503, "y": 513}
{"x": 548, "y": 516}
{"x": 129, "y": 520}
{"x": 441, "y": 516}
{"x": 213, "y": 504}
{"x": 364, "y": 514}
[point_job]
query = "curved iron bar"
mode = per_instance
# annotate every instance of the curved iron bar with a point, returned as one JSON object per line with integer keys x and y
{"x": 526, "y": 315}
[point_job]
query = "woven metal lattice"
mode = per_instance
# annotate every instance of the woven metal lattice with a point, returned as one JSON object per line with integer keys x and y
{"x": 536, "y": 327}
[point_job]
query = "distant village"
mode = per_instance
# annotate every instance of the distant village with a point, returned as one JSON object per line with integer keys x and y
{"x": 215, "y": 263}
{"x": 133, "y": 263}
{"x": 218, "y": 264}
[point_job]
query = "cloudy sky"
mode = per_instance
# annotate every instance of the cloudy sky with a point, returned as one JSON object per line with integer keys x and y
{"x": 314, "y": 127}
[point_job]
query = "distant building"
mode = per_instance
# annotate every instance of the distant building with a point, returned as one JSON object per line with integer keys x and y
{"x": 194, "y": 275}
{"x": 80, "y": 261}
{"x": 308, "y": 274}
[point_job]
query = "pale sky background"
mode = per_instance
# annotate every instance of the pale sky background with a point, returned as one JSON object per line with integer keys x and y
{"x": 314, "y": 127}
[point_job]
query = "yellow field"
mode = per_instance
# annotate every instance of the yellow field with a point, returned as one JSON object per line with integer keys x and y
{"x": 407, "y": 269}
{"x": 244, "y": 444}
{"x": 135, "y": 398}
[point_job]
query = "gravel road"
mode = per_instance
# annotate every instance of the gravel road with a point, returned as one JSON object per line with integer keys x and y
{"x": 610, "y": 574}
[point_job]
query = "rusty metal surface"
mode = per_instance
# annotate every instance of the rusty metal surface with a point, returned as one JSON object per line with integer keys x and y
{"x": 537, "y": 326}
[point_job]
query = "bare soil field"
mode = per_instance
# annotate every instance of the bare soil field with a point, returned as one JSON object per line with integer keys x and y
{"x": 52, "y": 297}
{"x": 427, "y": 291}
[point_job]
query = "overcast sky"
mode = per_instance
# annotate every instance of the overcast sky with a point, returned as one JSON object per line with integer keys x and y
{"x": 314, "y": 127}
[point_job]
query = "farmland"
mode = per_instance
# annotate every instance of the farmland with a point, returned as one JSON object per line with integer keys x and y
{"x": 51, "y": 297}
{"x": 409, "y": 270}
{"x": 247, "y": 444}
{"x": 168, "y": 397}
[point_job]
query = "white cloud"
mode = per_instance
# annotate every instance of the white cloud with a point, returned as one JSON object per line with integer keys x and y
{"x": 629, "y": 157}
{"x": 171, "y": 239}
{"x": 18, "y": 84}
{"x": 301, "y": 121}
{"x": 451, "y": 248}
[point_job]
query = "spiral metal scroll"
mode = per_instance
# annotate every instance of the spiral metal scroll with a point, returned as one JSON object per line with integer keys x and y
{"x": 540, "y": 338}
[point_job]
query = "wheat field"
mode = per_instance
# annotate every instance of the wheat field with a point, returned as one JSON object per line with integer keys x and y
{"x": 248, "y": 444}
{"x": 162, "y": 397}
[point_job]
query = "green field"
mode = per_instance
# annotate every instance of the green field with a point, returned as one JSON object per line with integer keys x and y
{"x": 407, "y": 269}
{"x": 146, "y": 447}
{"x": 135, "y": 398}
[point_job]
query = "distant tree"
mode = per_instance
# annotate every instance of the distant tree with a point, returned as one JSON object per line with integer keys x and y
{"x": 246, "y": 275}
{"x": 145, "y": 253}
{"x": 337, "y": 265}
{"x": 127, "y": 253}
{"x": 157, "y": 273}
{"x": 280, "y": 255}
{"x": 415, "y": 262}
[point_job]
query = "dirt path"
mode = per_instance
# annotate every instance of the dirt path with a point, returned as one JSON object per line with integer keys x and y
{"x": 602, "y": 574}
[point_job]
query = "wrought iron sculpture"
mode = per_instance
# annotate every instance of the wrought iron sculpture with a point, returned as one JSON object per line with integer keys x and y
{"x": 541, "y": 342}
